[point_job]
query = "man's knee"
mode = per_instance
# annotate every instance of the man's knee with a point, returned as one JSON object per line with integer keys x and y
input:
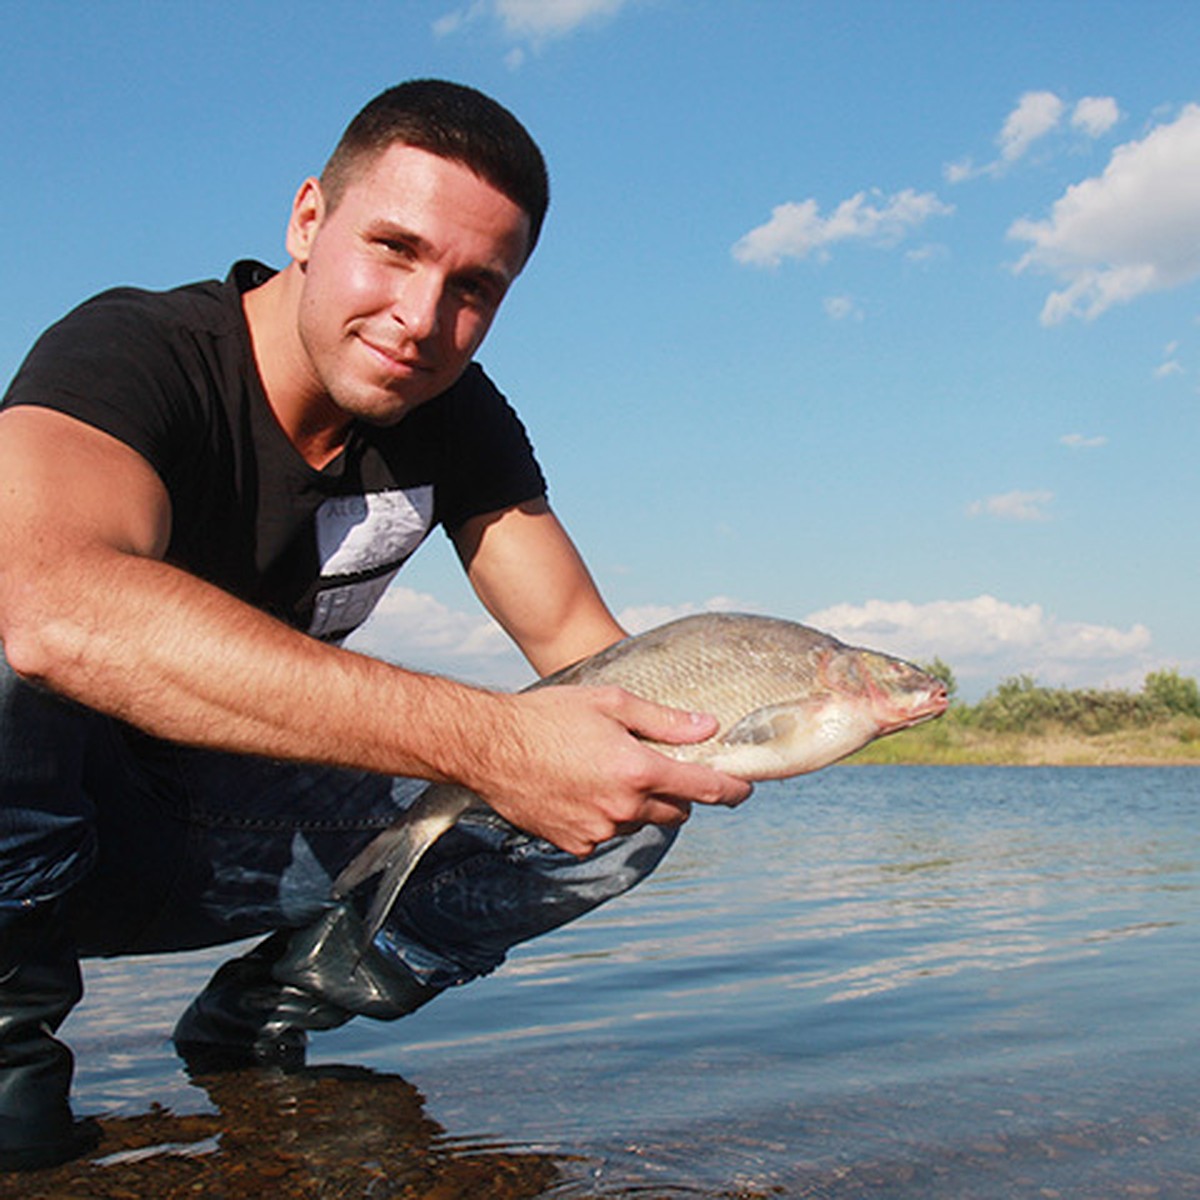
{"x": 47, "y": 821}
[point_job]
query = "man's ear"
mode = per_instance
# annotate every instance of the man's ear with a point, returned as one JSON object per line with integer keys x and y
{"x": 308, "y": 210}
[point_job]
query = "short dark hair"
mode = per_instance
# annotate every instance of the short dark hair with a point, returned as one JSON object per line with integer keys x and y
{"x": 452, "y": 121}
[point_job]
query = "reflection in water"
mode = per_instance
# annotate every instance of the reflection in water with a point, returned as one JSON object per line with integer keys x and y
{"x": 326, "y": 1131}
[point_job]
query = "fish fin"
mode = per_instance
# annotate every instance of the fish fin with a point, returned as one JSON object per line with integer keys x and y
{"x": 763, "y": 725}
{"x": 397, "y": 850}
{"x": 372, "y": 859}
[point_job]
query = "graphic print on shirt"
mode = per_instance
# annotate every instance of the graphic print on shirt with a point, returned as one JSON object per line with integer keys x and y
{"x": 362, "y": 541}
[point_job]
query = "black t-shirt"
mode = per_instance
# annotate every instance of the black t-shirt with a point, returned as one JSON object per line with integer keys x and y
{"x": 172, "y": 375}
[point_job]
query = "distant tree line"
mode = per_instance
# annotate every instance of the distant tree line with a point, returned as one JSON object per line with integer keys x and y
{"x": 1021, "y": 705}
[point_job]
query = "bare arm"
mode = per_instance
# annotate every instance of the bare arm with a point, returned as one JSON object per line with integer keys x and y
{"x": 529, "y": 575}
{"x": 89, "y": 609}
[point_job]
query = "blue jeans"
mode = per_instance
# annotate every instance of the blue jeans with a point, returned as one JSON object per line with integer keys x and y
{"x": 157, "y": 847}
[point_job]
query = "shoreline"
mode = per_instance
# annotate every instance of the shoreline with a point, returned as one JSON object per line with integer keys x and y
{"x": 954, "y": 743}
{"x": 1129, "y": 764}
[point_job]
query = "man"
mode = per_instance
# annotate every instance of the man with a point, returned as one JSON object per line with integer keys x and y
{"x": 204, "y": 491}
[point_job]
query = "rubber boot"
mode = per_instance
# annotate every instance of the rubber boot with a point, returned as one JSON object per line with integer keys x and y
{"x": 257, "y": 1010}
{"x": 39, "y": 984}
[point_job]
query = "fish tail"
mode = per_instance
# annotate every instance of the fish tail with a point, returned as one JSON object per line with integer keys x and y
{"x": 396, "y": 851}
{"x": 408, "y": 850}
{"x": 372, "y": 859}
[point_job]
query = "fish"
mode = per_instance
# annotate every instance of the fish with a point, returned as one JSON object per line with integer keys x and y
{"x": 789, "y": 700}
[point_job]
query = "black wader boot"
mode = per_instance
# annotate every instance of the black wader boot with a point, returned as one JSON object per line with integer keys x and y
{"x": 39, "y": 984}
{"x": 257, "y": 1009}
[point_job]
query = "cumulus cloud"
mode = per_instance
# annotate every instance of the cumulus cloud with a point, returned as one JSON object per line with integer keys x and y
{"x": 1095, "y": 115}
{"x": 531, "y": 21}
{"x": 418, "y": 631}
{"x": 1036, "y": 114}
{"x": 796, "y": 229}
{"x": 1077, "y": 441}
{"x": 640, "y": 617}
{"x": 1035, "y": 117}
{"x": 552, "y": 18}
{"x": 1013, "y": 506}
{"x": 987, "y": 639}
{"x": 984, "y": 639}
{"x": 1132, "y": 230}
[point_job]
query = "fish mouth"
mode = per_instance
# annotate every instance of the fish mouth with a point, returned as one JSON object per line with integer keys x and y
{"x": 932, "y": 705}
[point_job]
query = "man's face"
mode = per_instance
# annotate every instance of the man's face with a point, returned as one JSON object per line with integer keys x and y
{"x": 401, "y": 279}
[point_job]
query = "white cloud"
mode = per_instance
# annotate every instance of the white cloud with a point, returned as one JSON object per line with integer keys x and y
{"x": 1170, "y": 364}
{"x": 842, "y": 308}
{"x": 1095, "y": 115}
{"x": 531, "y": 21}
{"x": 416, "y": 630}
{"x": 923, "y": 255}
{"x": 552, "y": 18}
{"x": 1036, "y": 114}
{"x": 1132, "y": 230}
{"x": 988, "y": 639}
{"x": 797, "y": 229}
{"x": 1013, "y": 506}
{"x": 1077, "y": 441}
{"x": 640, "y": 617}
{"x": 961, "y": 171}
{"x": 983, "y": 639}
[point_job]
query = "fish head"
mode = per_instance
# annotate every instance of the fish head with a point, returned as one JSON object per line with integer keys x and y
{"x": 852, "y": 697}
{"x": 893, "y": 692}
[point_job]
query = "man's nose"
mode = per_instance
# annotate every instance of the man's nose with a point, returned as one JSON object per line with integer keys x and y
{"x": 418, "y": 303}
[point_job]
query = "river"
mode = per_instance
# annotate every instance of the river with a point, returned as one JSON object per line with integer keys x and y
{"x": 870, "y": 982}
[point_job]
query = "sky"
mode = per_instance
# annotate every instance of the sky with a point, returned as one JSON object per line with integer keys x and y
{"x": 883, "y": 317}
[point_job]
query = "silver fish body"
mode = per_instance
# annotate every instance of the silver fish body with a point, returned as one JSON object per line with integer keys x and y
{"x": 789, "y": 700}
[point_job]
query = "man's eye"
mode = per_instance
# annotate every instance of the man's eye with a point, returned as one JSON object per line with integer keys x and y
{"x": 399, "y": 249}
{"x": 474, "y": 292}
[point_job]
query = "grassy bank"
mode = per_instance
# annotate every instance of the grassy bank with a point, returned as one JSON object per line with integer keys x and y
{"x": 956, "y": 740}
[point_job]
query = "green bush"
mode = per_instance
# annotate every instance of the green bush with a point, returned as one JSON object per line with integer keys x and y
{"x": 1169, "y": 690}
{"x": 1021, "y": 705}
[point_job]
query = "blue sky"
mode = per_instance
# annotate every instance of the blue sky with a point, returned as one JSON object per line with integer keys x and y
{"x": 882, "y": 316}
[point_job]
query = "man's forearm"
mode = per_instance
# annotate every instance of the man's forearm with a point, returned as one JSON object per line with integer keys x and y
{"x": 141, "y": 640}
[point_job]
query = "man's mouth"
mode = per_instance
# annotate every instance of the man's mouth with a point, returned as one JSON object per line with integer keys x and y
{"x": 397, "y": 360}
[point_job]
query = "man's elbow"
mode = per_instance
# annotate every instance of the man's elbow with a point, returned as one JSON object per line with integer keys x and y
{"x": 35, "y": 645}
{"x": 26, "y": 653}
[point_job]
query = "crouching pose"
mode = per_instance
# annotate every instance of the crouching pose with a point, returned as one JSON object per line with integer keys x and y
{"x": 204, "y": 491}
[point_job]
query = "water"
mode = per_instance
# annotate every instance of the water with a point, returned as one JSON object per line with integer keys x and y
{"x": 874, "y": 981}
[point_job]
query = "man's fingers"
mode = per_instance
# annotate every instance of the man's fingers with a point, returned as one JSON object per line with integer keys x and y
{"x": 699, "y": 784}
{"x": 670, "y": 778}
{"x": 665, "y": 811}
{"x": 658, "y": 723}
{"x": 587, "y": 774}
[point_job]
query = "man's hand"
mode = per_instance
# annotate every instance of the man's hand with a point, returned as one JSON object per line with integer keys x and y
{"x": 569, "y": 766}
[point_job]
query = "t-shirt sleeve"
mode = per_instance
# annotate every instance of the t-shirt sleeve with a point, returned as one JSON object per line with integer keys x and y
{"x": 491, "y": 462}
{"x": 107, "y": 364}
